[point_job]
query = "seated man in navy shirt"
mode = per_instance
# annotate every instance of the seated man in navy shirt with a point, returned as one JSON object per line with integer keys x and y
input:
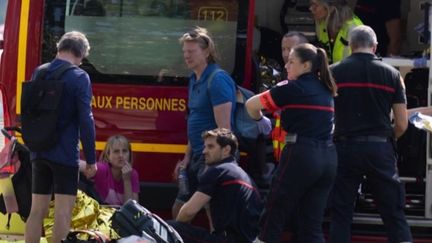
{"x": 235, "y": 203}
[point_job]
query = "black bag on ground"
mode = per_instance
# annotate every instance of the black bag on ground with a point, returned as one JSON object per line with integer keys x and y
{"x": 21, "y": 180}
{"x": 40, "y": 104}
{"x": 416, "y": 85}
{"x": 133, "y": 219}
{"x": 411, "y": 146}
{"x": 86, "y": 236}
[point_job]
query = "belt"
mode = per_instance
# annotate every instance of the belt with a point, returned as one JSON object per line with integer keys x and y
{"x": 290, "y": 138}
{"x": 368, "y": 138}
{"x": 293, "y": 138}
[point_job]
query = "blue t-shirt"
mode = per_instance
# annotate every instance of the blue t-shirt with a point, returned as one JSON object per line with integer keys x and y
{"x": 75, "y": 119}
{"x": 202, "y": 99}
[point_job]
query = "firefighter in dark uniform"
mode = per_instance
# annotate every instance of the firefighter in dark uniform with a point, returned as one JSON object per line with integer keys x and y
{"x": 307, "y": 169}
{"x": 368, "y": 90}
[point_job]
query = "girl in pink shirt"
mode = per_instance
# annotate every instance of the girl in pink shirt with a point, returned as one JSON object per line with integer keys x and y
{"x": 115, "y": 180}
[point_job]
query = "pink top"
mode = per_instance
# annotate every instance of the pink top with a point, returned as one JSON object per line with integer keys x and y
{"x": 109, "y": 189}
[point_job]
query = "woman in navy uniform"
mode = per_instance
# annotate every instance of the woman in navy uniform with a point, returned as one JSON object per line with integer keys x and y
{"x": 308, "y": 163}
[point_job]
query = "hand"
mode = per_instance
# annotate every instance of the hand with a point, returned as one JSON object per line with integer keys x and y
{"x": 90, "y": 170}
{"x": 264, "y": 126}
{"x": 126, "y": 171}
{"x": 180, "y": 164}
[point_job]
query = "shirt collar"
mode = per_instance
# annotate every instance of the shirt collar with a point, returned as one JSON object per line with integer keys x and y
{"x": 207, "y": 71}
{"x": 229, "y": 159}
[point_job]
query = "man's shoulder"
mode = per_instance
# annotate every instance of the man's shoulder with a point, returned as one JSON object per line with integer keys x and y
{"x": 343, "y": 64}
{"x": 79, "y": 73}
{"x": 223, "y": 166}
{"x": 214, "y": 71}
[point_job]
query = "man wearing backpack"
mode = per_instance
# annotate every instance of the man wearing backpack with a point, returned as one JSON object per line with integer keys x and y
{"x": 210, "y": 106}
{"x": 55, "y": 169}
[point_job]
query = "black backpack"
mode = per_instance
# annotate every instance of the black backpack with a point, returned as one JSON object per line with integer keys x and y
{"x": 21, "y": 179}
{"x": 134, "y": 219}
{"x": 40, "y": 104}
{"x": 411, "y": 146}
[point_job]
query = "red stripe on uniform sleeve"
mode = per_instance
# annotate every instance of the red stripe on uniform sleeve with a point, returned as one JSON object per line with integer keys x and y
{"x": 241, "y": 182}
{"x": 267, "y": 101}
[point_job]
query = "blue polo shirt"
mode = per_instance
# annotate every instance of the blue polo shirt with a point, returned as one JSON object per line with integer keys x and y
{"x": 307, "y": 106}
{"x": 75, "y": 121}
{"x": 235, "y": 202}
{"x": 202, "y": 98}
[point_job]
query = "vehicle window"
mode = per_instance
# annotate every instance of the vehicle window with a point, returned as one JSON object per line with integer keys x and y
{"x": 138, "y": 39}
{"x": 3, "y": 5}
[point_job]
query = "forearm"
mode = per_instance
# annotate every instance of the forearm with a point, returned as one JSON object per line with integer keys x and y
{"x": 185, "y": 215}
{"x": 222, "y": 115}
{"x": 86, "y": 122}
{"x": 254, "y": 106}
{"x": 424, "y": 110}
{"x": 400, "y": 123}
{"x": 255, "y": 114}
{"x": 188, "y": 151}
{"x": 398, "y": 131}
{"x": 127, "y": 187}
{"x": 192, "y": 207}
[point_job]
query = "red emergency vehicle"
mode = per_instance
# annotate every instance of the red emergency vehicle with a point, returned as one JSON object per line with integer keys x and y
{"x": 136, "y": 67}
{"x": 139, "y": 77}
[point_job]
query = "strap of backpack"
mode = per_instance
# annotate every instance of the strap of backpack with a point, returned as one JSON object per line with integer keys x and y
{"x": 41, "y": 74}
{"x": 42, "y": 70}
{"x": 211, "y": 76}
{"x": 59, "y": 72}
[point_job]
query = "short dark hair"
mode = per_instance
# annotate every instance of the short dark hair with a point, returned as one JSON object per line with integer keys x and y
{"x": 224, "y": 137}
{"x": 302, "y": 38}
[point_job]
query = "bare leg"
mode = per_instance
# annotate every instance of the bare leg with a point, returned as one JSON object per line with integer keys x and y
{"x": 34, "y": 224}
{"x": 62, "y": 216}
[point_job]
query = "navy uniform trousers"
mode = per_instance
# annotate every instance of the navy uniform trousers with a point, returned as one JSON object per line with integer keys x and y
{"x": 300, "y": 188}
{"x": 376, "y": 160}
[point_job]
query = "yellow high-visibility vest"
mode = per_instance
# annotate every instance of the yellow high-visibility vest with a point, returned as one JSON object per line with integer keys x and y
{"x": 340, "y": 48}
{"x": 278, "y": 137}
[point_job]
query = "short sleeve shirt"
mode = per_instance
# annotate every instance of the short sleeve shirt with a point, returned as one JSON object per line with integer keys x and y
{"x": 306, "y": 104}
{"x": 235, "y": 202}
{"x": 202, "y": 98}
{"x": 366, "y": 95}
{"x": 109, "y": 189}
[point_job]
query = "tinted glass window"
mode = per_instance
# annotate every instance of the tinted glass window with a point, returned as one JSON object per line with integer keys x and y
{"x": 137, "y": 40}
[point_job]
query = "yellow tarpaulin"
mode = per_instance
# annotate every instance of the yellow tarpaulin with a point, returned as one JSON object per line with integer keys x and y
{"x": 87, "y": 214}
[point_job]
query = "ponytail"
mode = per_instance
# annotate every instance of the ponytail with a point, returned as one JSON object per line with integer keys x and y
{"x": 324, "y": 71}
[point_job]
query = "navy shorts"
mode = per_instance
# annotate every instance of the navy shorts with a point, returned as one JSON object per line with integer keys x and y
{"x": 49, "y": 177}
